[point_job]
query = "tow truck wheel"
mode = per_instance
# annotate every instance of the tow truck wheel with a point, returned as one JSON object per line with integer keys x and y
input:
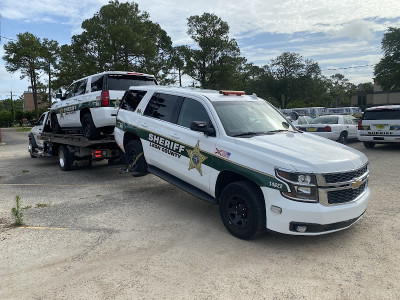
{"x": 65, "y": 158}
{"x": 31, "y": 149}
{"x": 136, "y": 164}
{"x": 242, "y": 210}
{"x": 89, "y": 130}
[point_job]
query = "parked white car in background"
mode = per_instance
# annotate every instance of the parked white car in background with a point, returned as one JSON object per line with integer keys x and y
{"x": 334, "y": 127}
{"x": 90, "y": 104}
{"x": 302, "y": 120}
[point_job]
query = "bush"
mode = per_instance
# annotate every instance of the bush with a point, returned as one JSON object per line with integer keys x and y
{"x": 6, "y": 118}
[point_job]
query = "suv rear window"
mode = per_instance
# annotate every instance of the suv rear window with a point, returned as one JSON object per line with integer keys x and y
{"x": 119, "y": 82}
{"x": 382, "y": 114}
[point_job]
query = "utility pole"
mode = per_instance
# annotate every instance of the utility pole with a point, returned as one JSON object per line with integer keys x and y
{"x": 12, "y": 107}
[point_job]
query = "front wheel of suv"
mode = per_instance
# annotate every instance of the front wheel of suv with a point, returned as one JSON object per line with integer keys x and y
{"x": 89, "y": 130}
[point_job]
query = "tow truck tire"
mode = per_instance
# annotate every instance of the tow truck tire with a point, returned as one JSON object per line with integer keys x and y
{"x": 369, "y": 145}
{"x": 55, "y": 126}
{"x": 343, "y": 138}
{"x": 89, "y": 130}
{"x": 65, "y": 158}
{"x": 242, "y": 210}
{"x": 133, "y": 149}
{"x": 32, "y": 148}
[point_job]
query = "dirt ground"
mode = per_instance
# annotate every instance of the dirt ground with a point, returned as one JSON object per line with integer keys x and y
{"x": 93, "y": 233}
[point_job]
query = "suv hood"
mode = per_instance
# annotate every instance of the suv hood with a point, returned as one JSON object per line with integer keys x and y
{"x": 305, "y": 152}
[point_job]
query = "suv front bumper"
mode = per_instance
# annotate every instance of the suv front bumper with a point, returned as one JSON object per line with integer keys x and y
{"x": 313, "y": 218}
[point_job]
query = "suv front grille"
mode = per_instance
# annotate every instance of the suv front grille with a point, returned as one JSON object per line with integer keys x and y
{"x": 343, "y": 196}
{"x": 344, "y": 177}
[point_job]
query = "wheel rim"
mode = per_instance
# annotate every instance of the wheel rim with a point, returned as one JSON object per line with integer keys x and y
{"x": 238, "y": 212}
{"x": 62, "y": 159}
{"x": 30, "y": 147}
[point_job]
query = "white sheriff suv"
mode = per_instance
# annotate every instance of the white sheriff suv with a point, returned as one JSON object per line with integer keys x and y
{"x": 379, "y": 125}
{"x": 239, "y": 152}
{"x": 90, "y": 104}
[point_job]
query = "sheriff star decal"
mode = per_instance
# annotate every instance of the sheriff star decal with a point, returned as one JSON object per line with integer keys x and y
{"x": 196, "y": 158}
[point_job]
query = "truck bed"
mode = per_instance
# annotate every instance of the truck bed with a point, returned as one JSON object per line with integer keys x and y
{"x": 75, "y": 139}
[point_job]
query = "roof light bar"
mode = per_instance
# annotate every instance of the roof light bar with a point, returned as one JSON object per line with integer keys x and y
{"x": 227, "y": 93}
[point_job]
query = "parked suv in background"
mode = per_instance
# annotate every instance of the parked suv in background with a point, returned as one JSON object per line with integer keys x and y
{"x": 379, "y": 125}
{"x": 90, "y": 104}
{"x": 238, "y": 151}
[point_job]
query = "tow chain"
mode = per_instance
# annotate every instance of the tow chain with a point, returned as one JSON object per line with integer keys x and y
{"x": 130, "y": 167}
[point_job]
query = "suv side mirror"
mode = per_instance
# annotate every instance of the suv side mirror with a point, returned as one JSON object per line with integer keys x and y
{"x": 202, "y": 127}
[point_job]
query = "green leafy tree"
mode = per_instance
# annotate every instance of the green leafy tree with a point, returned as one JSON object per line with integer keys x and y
{"x": 25, "y": 55}
{"x": 217, "y": 62}
{"x": 340, "y": 90}
{"x": 118, "y": 37}
{"x": 366, "y": 87}
{"x": 50, "y": 50}
{"x": 292, "y": 74}
{"x": 387, "y": 71}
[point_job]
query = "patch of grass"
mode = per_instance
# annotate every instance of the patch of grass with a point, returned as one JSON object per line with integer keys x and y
{"x": 27, "y": 207}
{"x": 16, "y": 212}
{"x": 24, "y": 129}
{"x": 41, "y": 205}
{"x": 25, "y": 171}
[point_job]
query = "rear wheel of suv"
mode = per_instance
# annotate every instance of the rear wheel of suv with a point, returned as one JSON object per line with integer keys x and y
{"x": 136, "y": 163}
{"x": 55, "y": 126}
{"x": 89, "y": 130}
{"x": 369, "y": 145}
{"x": 242, "y": 210}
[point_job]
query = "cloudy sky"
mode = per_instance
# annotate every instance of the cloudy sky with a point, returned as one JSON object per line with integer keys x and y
{"x": 343, "y": 36}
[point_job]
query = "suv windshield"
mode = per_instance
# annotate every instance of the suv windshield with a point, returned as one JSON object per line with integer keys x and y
{"x": 249, "y": 118}
{"x": 119, "y": 82}
{"x": 382, "y": 114}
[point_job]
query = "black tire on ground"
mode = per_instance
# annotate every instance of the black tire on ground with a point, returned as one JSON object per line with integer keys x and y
{"x": 55, "y": 126}
{"x": 32, "y": 148}
{"x": 89, "y": 130}
{"x": 369, "y": 145}
{"x": 343, "y": 138}
{"x": 65, "y": 158}
{"x": 133, "y": 149}
{"x": 242, "y": 210}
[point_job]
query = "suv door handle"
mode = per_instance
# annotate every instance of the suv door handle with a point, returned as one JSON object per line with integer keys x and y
{"x": 145, "y": 125}
{"x": 176, "y": 136}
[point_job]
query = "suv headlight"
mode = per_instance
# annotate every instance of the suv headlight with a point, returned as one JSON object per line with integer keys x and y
{"x": 303, "y": 187}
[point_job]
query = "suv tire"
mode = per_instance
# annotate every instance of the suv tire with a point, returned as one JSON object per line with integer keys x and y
{"x": 242, "y": 210}
{"x": 133, "y": 150}
{"x": 89, "y": 130}
{"x": 55, "y": 126}
{"x": 369, "y": 145}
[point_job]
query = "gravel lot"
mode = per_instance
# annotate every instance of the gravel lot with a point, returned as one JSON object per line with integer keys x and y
{"x": 104, "y": 235}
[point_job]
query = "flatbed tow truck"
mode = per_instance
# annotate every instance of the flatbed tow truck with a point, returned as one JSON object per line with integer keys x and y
{"x": 70, "y": 147}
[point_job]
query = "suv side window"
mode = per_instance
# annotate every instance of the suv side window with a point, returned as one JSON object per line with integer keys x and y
{"x": 192, "y": 110}
{"x": 163, "y": 107}
{"x": 97, "y": 83}
{"x": 131, "y": 99}
{"x": 70, "y": 92}
{"x": 80, "y": 87}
